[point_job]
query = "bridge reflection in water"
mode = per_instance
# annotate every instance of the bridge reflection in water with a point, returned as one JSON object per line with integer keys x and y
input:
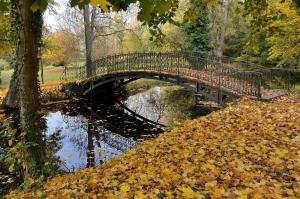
{"x": 92, "y": 133}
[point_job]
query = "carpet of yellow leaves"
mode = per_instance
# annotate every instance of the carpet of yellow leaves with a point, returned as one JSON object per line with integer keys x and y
{"x": 249, "y": 150}
{"x": 51, "y": 91}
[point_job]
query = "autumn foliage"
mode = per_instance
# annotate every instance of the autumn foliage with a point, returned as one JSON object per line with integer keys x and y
{"x": 249, "y": 150}
{"x": 61, "y": 48}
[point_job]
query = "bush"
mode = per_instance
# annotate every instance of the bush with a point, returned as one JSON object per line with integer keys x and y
{"x": 296, "y": 89}
{"x": 4, "y": 65}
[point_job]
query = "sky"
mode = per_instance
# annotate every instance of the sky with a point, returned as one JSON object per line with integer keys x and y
{"x": 51, "y": 17}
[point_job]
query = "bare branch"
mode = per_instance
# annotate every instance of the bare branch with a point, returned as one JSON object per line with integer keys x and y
{"x": 112, "y": 33}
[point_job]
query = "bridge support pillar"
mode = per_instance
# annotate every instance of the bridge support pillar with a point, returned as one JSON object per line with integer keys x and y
{"x": 221, "y": 97}
{"x": 178, "y": 80}
{"x": 198, "y": 87}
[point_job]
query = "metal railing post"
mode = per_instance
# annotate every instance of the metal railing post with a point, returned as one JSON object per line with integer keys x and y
{"x": 258, "y": 86}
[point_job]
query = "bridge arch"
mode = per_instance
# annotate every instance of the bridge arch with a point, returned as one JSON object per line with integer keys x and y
{"x": 210, "y": 92}
{"x": 191, "y": 70}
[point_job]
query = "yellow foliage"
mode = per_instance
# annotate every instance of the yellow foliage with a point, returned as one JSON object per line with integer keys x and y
{"x": 104, "y": 4}
{"x": 285, "y": 40}
{"x": 60, "y": 47}
{"x": 249, "y": 150}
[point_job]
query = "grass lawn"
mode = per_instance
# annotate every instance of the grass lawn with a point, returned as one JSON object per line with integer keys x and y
{"x": 50, "y": 74}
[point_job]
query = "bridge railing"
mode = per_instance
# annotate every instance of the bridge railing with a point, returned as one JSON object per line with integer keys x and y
{"x": 271, "y": 78}
{"x": 182, "y": 64}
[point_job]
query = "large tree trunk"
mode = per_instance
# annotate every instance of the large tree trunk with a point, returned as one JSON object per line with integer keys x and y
{"x": 29, "y": 34}
{"x": 89, "y": 20}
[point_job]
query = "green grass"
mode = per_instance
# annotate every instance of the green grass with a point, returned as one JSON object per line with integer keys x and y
{"x": 50, "y": 74}
{"x": 296, "y": 89}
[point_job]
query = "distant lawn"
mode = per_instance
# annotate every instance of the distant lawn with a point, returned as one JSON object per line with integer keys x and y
{"x": 50, "y": 74}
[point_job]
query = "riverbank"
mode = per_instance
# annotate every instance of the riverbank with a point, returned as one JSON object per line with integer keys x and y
{"x": 50, "y": 92}
{"x": 247, "y": 150}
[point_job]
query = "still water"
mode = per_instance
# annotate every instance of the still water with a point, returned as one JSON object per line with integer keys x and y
{"x": 87, "y": 132}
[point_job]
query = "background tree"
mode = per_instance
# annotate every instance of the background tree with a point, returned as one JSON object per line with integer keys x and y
{"x": 61, "y": 48}
{"x": 196, "y": 27}
{"x": 275, "y": 30}
{"x": 4, "y": 32}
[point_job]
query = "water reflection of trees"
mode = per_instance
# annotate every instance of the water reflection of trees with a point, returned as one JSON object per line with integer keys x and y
{"x": 163, "y": 104}
{"x": 16, "y": 161}
{"x": 93, "y": 140}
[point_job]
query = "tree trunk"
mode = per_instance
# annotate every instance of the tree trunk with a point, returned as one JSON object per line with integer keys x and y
{"x": 222, "y": 30}
{"x": 29, "y": 33}
{"x": 89, "y": 20}
{"x": 90, "y": 147}
{"x": 11, "y": 99}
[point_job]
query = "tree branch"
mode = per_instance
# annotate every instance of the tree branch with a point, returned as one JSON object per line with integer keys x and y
{"x": 112, "y": 33}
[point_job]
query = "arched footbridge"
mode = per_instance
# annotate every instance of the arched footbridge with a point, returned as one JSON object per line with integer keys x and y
{"x": 212, "y": 79}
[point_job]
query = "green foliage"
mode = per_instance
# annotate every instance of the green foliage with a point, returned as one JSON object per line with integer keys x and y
{"x": 257, "y": 51}
{"x": 296, "y": 89}
{"x": 39, "y": 5}
{"x": 198, "y": 34}
{"x": 15, "y": 157}
{"x": 234, "y": 45}
{"x": 4, "y": 64}
{"x": 4, "y": 5}
{"x": 4, "y": 32}
{"x": 152, "y": 13}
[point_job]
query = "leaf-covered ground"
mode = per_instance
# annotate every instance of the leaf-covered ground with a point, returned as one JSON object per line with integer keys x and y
{"x": 249, "y": 150}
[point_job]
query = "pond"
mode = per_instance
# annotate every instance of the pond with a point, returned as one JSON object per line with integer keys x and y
{"x": 92, "y": 131}
{"x": 84, "y": 133}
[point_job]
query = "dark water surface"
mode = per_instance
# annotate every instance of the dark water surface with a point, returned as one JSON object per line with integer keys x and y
{"x": 92, "y": 133}
{"x": 87, "y": 132}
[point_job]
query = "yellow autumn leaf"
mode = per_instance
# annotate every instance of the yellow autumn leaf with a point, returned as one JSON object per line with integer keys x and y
{"x": 187, "y": 192}
{"x": 103, "y": 4}
{"x": 111, "y": 196}
{"x": 151, "y": 151}
{"x": 124, "y": 189}
{"x": 114, "y": 183}
{"x": 139, "y": 195}
{"x": 281, "y": 153}
{"x": 257, "y": 195}
{"x": 243, "y": 197}
{"x": 218, "y": 193}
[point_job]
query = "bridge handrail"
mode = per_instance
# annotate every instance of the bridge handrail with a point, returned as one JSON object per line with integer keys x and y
{"x": 191, "y": 55}
{"x": 177, "y": 61}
